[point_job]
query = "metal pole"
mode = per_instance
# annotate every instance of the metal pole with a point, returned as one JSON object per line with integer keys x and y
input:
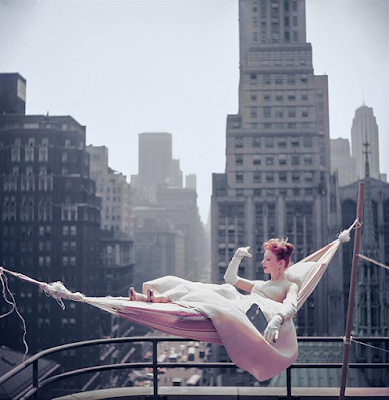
{"x": 35, "y": 378}
{"x": 155, "y": 369}
{"x": 289, "y": 383}
{"x": 353, "y": 285}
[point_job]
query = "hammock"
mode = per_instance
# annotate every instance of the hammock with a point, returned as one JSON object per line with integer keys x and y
{"x": 183, "y": 321}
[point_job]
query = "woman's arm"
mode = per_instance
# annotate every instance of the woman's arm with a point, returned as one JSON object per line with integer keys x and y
{"x": 288, "y": 310}
{"x": 231, "y": 275}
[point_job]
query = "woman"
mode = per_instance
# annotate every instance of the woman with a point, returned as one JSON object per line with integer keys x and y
{"x": 265, "y": 354}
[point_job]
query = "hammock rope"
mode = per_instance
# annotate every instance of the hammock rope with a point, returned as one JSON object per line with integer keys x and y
{"x": 5, "y": 290}
{"x": 373, "y": 261}
{"x": 351, "y": 340}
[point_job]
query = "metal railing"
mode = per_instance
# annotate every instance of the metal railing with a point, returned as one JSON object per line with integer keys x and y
{"x": 154, "y": 364}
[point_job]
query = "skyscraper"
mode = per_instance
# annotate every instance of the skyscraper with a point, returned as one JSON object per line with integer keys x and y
{"x": 277, "y": 177}
{"x": 342, "y": 162}
{"x": 365, "y": 129}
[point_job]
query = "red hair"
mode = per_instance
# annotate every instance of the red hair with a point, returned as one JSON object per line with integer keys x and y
{"x": 281, "y": 248}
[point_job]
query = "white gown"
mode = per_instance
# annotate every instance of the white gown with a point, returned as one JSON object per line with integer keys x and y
{"x": 227, "y": 308}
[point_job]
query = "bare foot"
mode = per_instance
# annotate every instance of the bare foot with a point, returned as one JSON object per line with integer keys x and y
{"x": 150, "y": 295}
{"x": 133, "y": 295}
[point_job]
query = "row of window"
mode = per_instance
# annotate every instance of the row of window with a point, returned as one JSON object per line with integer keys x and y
{"x": 44, "y": 142}
{"x": 274, "y": 5}
{"x": 294, "y": 159}
{"x": 270, "y": 142}
{"x": 270, "y": 177}
{"x": 272, "y": 192}
{"x": 279, "y": 79}
{"x": 43, "y": 154}
{"x": 280, "y": 112}
{"x": 275, "y": 36}
{"x": 279, "y": 95}
{"x": 27, "y": 183}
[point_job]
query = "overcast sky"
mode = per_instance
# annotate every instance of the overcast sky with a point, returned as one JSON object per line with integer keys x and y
{"x": 126, "y": 67}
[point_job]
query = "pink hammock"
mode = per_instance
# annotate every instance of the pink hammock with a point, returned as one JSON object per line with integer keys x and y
{"x": 189, "y": 322}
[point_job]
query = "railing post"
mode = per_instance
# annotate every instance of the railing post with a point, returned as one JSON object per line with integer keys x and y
{"x": 353, "y": 287}
{"x": 155, "y": 369}
{"x": 35, "y": 378}
{"x": 289, "y": 383}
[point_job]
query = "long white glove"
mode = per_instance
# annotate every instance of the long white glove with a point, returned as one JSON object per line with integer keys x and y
{"x": 272, "y": 329}
{"x": 231, "y": 275}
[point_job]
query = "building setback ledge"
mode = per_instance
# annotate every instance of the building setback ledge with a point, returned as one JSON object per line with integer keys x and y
{"x": 228, "y": 393}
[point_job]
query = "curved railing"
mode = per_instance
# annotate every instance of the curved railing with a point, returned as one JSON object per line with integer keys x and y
{"x": 154, "y": 364}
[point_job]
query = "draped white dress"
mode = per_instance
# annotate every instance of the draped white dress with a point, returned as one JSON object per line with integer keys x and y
{"x": 227, "y": 308}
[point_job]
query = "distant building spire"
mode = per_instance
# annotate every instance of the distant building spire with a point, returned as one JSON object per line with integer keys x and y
{"x": 369, "y": 243}
{"x": 363, "y": 99}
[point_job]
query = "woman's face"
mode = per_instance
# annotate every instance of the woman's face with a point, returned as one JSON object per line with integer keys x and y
{"x": 270, "y": 263}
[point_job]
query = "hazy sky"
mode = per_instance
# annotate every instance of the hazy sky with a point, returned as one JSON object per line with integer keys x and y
{"x": 126, "y": 67}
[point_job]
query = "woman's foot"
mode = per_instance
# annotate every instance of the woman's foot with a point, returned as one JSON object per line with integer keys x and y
{"x": 133, "y": 295}
{"x": 150, "y": 295}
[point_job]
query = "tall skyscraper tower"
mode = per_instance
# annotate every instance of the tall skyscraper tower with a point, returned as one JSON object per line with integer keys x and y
{"x": 365, "y": 128}
{"x": 276, "y": 182}
{"x": 155, "y": 157}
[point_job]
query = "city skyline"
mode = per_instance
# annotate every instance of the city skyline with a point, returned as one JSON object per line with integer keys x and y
{"x": 184, "y": 80}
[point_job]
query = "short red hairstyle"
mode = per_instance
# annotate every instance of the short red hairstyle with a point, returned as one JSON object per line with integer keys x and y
{"x": 281, "y": 248}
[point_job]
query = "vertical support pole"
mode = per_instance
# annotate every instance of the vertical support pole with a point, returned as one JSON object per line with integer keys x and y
{"x": 353, "y": 286}
{"x": 35, "y": 378}
{"x": 289, "y": 383}
{"x": 155, "y": 370}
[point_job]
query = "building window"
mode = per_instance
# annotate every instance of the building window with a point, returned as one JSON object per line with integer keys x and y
{"x": 253, "y": 112}
{"x": 270, "y": 177}
{"x": 64, "y": 157}
{"x": 291, "y": 79}
{"x": 43, "y": 154}
{"x": 279, "y": 96}
{"x": 266, "y": 96}
{"x": 269, "y": 161}
{"x": 269, "y": 142}
{"x": 292, "y": 112}
{"x": 239, "y": 192}
{"x": 279, "y": 80}
{"x": 267, "y": 79}
{"x": 257, "y": 177}
{"x": 253, "y": 78}
{"x": 295, "y": 36}
{"x": 257, "y": 142}
{"x": 295, "y": 142}
{"x": 279, "y": 112}
{"x": 304, "y": 78}
{"x": 29, "y": 154}
{"x": 267, "y": 125}
{"x": 257, "y": 160}
{"x": 294, "y": 5}
{"x": 291, "y": 96}
{"x": 307, "y": 159}
{"x": 304, "y": 112}
{"x": 257, "y": 192}
{"x": 283, "y": 177}
{"x": 239, "y": 177}
{"x": 295, "y": 159}
{"x": 267, "y": 112}
{"x": 287, "y": 36}
{"x": 253, "y": 96}
{"x": 282, "y": 159}
{"x": 295, "y": 176}
{"x": 308, "y": 176}
{"x": 239, "y": 143}
{"x": 239, "y": 160}
{"x": 304, "y": 95}
{"x": 255, "y": 36}
{"x": 308, "y": 141}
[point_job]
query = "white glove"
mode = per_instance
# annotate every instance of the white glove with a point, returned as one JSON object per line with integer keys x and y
{"x": 231, "y": 275}
{"x": 272, "y": 329}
